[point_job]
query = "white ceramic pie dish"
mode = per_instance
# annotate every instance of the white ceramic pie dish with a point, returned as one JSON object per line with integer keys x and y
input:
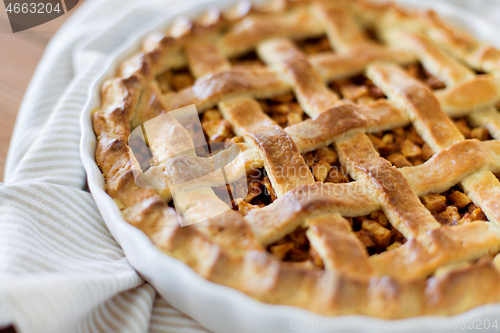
{"x": 220, "y": 308}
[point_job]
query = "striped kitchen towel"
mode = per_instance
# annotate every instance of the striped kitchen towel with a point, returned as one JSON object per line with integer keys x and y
{"x": 60, "y": 269}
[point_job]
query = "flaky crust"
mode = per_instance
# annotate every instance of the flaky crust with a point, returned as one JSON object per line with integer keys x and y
{"x": 392, "y": 190}
{"x": 313, "y": 96}
{"x": 332, "y": 237}
{"x": 213, "y": 88}
{"x": 279, "y": 153}
{"x": 229, "y": 248}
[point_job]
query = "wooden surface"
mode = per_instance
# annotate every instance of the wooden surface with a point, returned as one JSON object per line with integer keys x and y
{"x": 19, "y": 56}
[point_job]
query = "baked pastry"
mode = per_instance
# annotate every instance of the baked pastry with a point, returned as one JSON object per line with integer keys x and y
{"x": 367, "y": 135}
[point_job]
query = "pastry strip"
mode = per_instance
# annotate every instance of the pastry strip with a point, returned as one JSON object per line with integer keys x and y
{"x": 205, "y": 58}
{"x": 286, "y": 167}
{"x": 212, "y": 89}
{"x": 334, "y": 66}
{"x": 291, "y": 210}
{"x": 436, "y": 61}
{"x": 421, "y": 256}
{"x": 312, "y": 94}
{"x": 489, "y": 118}
{"x": 423, "y": 108}
{"x": 342, "y": 31}
{"x": 342, "y": 120}
{"x": 244, "y": 36}
{"x": 399, "y": 203}
{"x": 468, "y": 157}
{"x": 479, "y": 93}
{"x": 340, "y": 249}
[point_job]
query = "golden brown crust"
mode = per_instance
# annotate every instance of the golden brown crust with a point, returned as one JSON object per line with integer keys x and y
{"x": 476, "y": 94}
{"x": 342, "y": 120}
{"x": 445, "y": 294}
{"x": 339, "y": 248}
{"x": 325, "y": 128}
{"x": 484, "y": 188}
{"x": 205, "y": 58}
{"x": 400, "y": 204}
{"x": 224, "y": 227}
{"x": 212, "y": 89}
{"x": 330, "y": 293}
{"x": 333, "y": 66}
{"x": 193, "y": 171}
{"x": 436, "y": 61}
{"x": 470, "y": 156}
{"x": 284, "y": 164}
{"x": 228, "y": 246}
{"x": 421, "y": 104}
{"x": 244, "y": 36}
{"x": 286, "y": 213}
{"x": 461, "y": 45}
{"x": 342, "y": 31}
{"x": 489, "y": 118}
{"x": 150, "y": 105}
{"x": 421, "y": 256}
{"x": 435, "y": 128}
{"x": 311, "y": 92}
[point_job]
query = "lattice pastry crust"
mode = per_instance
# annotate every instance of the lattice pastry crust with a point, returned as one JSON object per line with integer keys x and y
{"x": 440, "y": 270}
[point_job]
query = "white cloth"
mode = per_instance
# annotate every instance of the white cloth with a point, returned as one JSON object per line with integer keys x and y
{"x": 60, "y": 269}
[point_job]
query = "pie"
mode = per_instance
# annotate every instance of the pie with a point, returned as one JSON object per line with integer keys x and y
{"x": 366, "y": 133}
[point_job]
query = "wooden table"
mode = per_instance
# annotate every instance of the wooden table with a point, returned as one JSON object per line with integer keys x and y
{"x": 19, "y": 56}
